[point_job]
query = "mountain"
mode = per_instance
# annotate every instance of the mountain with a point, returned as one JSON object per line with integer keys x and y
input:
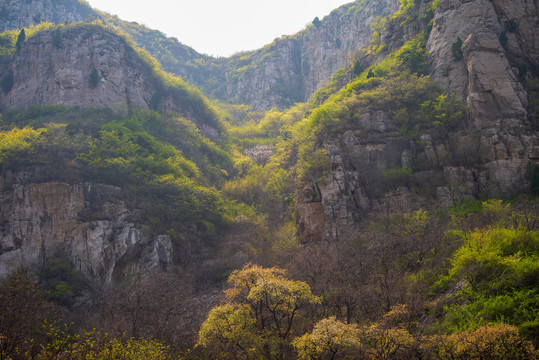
{"x": 65, "y": 191}
{"x": 386, "y": 154}
{"x": 306, "y": 60}
{"x": 390, "y": 192}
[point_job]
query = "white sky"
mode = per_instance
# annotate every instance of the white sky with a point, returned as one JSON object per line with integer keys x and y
{"x": 221, "y": 27}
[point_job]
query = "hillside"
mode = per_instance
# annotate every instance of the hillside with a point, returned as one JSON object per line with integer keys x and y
{"x": 285, "y": 72}
{"x": 384, "y": 208}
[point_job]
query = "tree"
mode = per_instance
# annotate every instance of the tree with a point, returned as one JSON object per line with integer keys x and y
{"x": 259, "y": 316}
{"x": 503, "y": 39}
{"x": 94, "y": 78}
{"x": 456, "y": 49}
{"x": 23, "y": 310}
{"x": 20, "y": 40}
{"x": 330, "y": 338}
{"x": 487, "y": 342}
{"x": 317, "y": 22}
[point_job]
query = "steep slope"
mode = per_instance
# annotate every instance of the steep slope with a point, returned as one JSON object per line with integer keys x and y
{"x": 17, "y": 14}
{"x": 95, "y": 176}
{"x": 90, "y": 66}
{"x": 292, "y": 68}
{"x": 394, "y": 142}
{"x": 285, "y": 72}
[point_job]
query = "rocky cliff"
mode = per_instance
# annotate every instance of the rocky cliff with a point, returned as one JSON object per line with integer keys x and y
{"x": 16, "y": 14}
{"x": 94, "y": 226}
{"x": 285, "y": 72}
{"x": 89, "y": 66}
{"x": 47, "y": 71}
{"x": 490, "y": 157}
{"x": 292, "y": 68}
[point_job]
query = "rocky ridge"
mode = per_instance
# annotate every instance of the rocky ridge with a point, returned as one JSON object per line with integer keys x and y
{"x": 46, "y": 71}
{"x": 289, "y": 70}
{"x": 491, "y": 157}
{"x": 16, "y": 14}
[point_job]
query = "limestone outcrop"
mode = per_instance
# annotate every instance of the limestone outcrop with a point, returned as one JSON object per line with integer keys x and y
{"x": 289, "y": 70}
{"x": 47, "y": 71}
{"x": 16, "y": 14}
{"x": 292, "y": 68}
{"x": 93, "y": 226}
{"x": 490, "y": 157}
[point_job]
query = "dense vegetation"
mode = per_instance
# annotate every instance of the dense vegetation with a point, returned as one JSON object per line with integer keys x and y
{"x": 162, "y": 158}
{"x": 430, "y": 284}
{"x": 436, "y": 282}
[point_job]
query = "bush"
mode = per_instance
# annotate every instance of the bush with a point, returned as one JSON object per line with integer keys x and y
{"x": 503, "y": 39}
{"x": 94, "y": 78}
{"x": 6, "y": 82}
{"x": 511, "y": 25}
{"x": 456, "y": 49}
{"x": 534, "y": 180}
{"x": 488, "y": 342}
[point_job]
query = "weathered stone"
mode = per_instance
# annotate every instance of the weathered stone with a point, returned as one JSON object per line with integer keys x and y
{"x": 42, "y": 221}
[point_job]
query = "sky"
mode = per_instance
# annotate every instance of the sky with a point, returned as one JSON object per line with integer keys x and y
{"x": 221, "y": 27}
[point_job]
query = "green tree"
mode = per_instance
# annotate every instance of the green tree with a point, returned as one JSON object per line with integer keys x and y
{"x": 6, "y": 82}
{"x": 456, "y": 49}
{"x": 330, "y": 338}
{"x": 259, "y": 316}
{"x": 503, "y": 39}
{"x": 20, "y": 39}
{"x": 94, "y": 78}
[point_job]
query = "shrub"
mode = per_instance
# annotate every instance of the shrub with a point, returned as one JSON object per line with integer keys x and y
{"x": 511, "y": 25}
{"x": 94, "y": 78}
{"x": 7, "y": 81}
{"x": 20, "y": 40}
{"x": 488, "y": 342}
{"x": 534, "y": 180}
{"x": 503, "y": 39}
{"x": 456, "y": 49}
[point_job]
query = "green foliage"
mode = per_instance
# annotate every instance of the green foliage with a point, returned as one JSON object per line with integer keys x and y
{"x": 6, "y": 82}
{"x": 503, "y": 39}
{"x": 511, "y": 25}
{"x": 94, "y": 78}
{"x": 62, "y": 283}
{"x": 522, "y": 72}
{"x": 20, "y": 39}
{"x": 57, "y": 38}
{"x": 456, "y": 49}
{"x": 501, "y": 266}
{"x": 8, "y": 40}
{"x": 99, "y": 346}
{"x": 534, "y": 180}
{"x": 487, "y": 342}
{"x": 17, "y": 143}
{"x": 532, "y": 86}
{"x": 259, "y": 317}
{"x": 328, "y": 338}
{"x": 162, "y": 158}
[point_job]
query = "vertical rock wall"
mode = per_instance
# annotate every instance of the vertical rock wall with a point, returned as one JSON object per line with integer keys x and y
{"x": 91, "y": 225}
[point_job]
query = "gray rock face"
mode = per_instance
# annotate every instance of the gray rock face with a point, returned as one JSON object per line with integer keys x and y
{"x": 16, "y": 14}
{"x": 292, "y": 68}
{"x": 491, "y": 157}
{"x": 48, "y": 73}
{"x": 87, "y": 224}
{"x": 288, "y": 71}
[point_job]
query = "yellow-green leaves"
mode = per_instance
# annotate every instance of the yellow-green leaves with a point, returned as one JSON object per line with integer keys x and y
{"x": 260, "y": 315}
{"x": 328, "y": 338}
